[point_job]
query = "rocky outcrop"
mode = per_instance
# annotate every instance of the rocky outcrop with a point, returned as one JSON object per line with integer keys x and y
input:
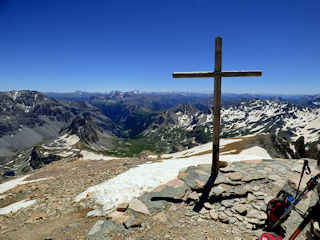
{"x": 282, "y": 146}
{"x": 235, "y": 206}
{"x": 38, "y": 160}
{"x": 84, "y": 128}
{"x": 295, "y": 149}
{"x": 300, "y": 148}
{"x": 28, "y": 118}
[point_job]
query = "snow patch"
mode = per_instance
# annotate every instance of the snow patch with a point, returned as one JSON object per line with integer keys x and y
{"x": 69, "y": 139}
{"x": 259, "y": 152}
{"x": 86, "y": 155}
{"x": 199, "y": 149}
{"x": 152, "y": 157}
{"x": 14, "y": 95}
{"x": 12, "y": 208}
{"x": 146, "y": 177}
{"x": 4, "y": 187}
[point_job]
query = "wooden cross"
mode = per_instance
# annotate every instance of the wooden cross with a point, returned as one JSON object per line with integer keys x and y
{"x": 217, "y": 75}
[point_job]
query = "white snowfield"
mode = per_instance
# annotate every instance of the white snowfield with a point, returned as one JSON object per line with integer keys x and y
{"x": 256, "y": 151}
{"x": 146, "y": 177}
{"x": 86, "y": 155}
{"x": 69, "y": 140}
{"x": 199, "y": 149}
{"x": 16, "y": 182}
{"x": 12, "y": 208}
{"x": 257, "y": 116}
{"x": 305, "y": 120}
{"x": 65, "y": 142}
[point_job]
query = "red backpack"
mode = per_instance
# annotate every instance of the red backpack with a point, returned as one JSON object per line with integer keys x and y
{"x": 270, "y": 236}
{"x": 277, "y": 206}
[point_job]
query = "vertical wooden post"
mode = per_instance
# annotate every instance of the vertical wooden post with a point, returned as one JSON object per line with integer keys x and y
{"x": 217, "y": 74}
{"x": 216, "y": 108}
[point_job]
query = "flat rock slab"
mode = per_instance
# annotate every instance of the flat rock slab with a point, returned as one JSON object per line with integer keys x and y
{"x": 194, "y": 177}
{"x": 102, "y": 228}
{"x": 238, "y": 198}
{"x": 174, "y": 191}
{"x": 138, "y": 206}
{"x": 235, "y": 176}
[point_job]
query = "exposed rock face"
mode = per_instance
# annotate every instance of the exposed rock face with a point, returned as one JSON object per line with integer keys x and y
{"x": 300, "y": 148}
{"x": 235, "y": 206}
{"x": 37, "y": 160}
{"x": 25, "y": 108}
{"x": 282, "y": 146}
{"x": 84, "y": 128}
{"x": 174, "y": 122}
{"x": 313, "y": 150}
{"x": 288, "y": 148}
{"x": 186, "y": 126}
{"x": 28, "y": 118}
{"x": 181, "y": 127}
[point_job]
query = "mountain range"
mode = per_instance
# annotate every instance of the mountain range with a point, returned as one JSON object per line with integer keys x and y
{"x": 128, "y": 123}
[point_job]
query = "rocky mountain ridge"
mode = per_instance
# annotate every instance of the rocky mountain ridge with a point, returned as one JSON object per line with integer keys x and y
{"x": 81, "y": 134}
{"x": 133, "y": 122}
{"x": 28, "y": 118}
{"x": 185, "y": 126}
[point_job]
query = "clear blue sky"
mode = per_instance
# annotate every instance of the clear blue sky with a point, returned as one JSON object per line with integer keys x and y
{"x": 67, "y": 45}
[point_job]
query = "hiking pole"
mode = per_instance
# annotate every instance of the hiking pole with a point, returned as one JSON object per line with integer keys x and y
{"x": 311, "y": 184}
{"x": 305, "y": 165}
{"x": 312, "y": 212}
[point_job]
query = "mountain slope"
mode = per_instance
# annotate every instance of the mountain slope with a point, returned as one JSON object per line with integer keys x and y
{"x": 28, "y": 118}
{"x": 186, "y": 126}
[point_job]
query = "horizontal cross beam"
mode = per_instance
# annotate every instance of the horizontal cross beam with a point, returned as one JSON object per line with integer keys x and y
{"x": 214, "y": 74}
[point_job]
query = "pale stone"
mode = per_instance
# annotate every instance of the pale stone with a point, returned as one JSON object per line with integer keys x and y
{"x": 208, "y": 205}
{"x": 232, "y": 220}
{"x": 236, "y": 176}
{"x": 160, "y": 217}
{"x": 2, "y": 227}
{"x": 122, "y": 207}
{"x": 96, "y": 228}
{"x": 252, "y": 213}
{"x": 255, "y": 188}
{"x": 118, "y": 217}
{"x": 227, "y": 203}
{"x": 213, "y": 214}
{"x": 138, "y": 206}
{"x": 133, "y": 221}
{"x": 274, "y": 178}
{"x": 223, "y": 217}
{"x": 193, "y": 196}
{"x": 217, "y": 190}
{"x": 259, "y": 194}
{"x": 250, "y": 197}
{"x": 241, "y": 209}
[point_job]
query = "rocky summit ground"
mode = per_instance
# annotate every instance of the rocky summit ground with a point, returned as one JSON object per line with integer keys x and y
{"x": 234, "y": 210}
{"x": 55, "y": 215}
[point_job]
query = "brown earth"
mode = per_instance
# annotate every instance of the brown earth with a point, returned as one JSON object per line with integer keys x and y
{"x": 55, "y": 215}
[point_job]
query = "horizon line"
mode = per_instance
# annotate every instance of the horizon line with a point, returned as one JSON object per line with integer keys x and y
{"x": 162, "y": 92}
